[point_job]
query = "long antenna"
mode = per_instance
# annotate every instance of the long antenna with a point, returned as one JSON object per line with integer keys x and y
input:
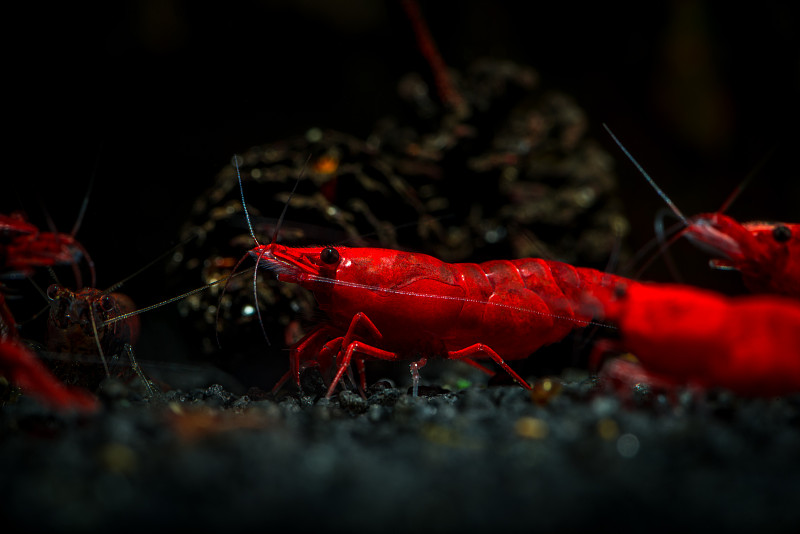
{"x": 747, "y": 179}
{"x": 661, "y": 193}
{"x": 244, "y": 204}
{"x": 79, "y": 221}
{"x": 285, "y": 206}
{"x": 258, "y": 245}
{"x": 85, "y": 203}
{"x": 124, "y": 316}
{"x": 149, "y": 264}
{"x": 444, "y": 83}
{"x": 288, "y": 200}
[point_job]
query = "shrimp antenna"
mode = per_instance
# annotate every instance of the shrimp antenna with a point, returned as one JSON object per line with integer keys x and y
{"x": 659, "y": 222}
{"x": 124, "y": 316}
{"x": 285, "y": 206}
{"x": 664, "y": 238}
{"x": 244, "y": 204}
{"x": 747, "y": 179}
{"x": 661, "y": 193}
{"x": 288, "y": 200}
{"x": 79, "y": 221}
{"x": 255, "y": 269}
{"x": 85, "y": 203}
{"x": 149, "y": 264}
{"x": 44, "y": 296}
{"x": 258, "y": 245}
{"x": 59, "y": 238}
{"x": 427, "y": 46}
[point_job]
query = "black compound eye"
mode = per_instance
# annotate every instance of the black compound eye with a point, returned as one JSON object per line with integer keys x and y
{"x": 329, "y": 255}
{"x": 781, "y": 233}
{"x": 53, "y": 291}
{"x": 107, "y": 303}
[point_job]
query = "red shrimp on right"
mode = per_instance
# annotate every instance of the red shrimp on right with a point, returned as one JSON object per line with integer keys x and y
{"x": 767, "y": 254}
{"x": 683, "y": 335}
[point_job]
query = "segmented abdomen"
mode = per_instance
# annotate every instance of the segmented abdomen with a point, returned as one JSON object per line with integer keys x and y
{"x": 567, "y": 287}
{"x": 422, "y": 304}
{"x": 529, "y": 303}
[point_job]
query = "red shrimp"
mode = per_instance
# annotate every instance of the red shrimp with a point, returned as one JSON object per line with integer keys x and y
{"x": 392, "y": 305}
{"x": 80, "y": 326}
{"x": 766, "y": 254}
{"x": 23, "y": 248}
{"x": 87, "y": 322}
{"x": 92, "y": 325}
{"x": 684, "y": 335}
{"x": 15, "y": 225}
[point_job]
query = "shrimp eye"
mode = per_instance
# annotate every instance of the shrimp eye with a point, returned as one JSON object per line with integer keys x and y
{"x": 107, "y": 303}
{"x": 781, "y": 233}
{"x": 53, "y": 291}
{"x": 329, "y": 255}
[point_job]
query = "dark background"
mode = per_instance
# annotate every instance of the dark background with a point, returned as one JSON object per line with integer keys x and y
{"x": 160, "y": 94}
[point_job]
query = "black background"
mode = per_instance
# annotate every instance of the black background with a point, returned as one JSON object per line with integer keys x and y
{"x": 160, "y": 94}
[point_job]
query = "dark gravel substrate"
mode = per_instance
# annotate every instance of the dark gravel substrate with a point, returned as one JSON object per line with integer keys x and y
{"x": 478, "y": 460}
